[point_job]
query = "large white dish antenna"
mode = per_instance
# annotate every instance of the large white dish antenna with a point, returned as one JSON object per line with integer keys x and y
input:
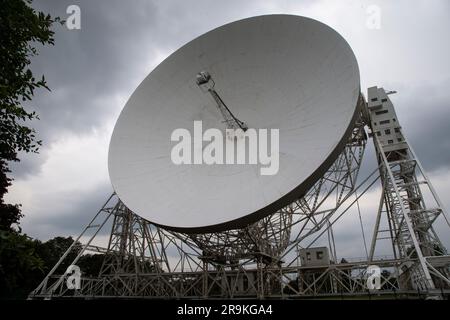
{"x": 281, "y": 72}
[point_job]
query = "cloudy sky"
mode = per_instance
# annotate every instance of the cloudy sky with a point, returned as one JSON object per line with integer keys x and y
{"x": 93, "y": 71}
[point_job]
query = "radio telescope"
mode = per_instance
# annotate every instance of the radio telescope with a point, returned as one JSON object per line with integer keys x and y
{"x": 273, "y": 72}
{"x": 219, "y": 231}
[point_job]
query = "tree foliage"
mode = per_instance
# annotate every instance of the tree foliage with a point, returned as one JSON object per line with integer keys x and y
{"x": 10, "y": 214}
{"x": 20, "y": 265}
{"x": 25, "y": 262}
{"x": 22, "y": 28}
{"x": 52, "y": 250}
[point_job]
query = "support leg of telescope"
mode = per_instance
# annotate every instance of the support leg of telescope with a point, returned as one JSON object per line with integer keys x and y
{"x": 46, "y": 289}
{"x": 131, "y": 253}
{"x": 410, "y": 218}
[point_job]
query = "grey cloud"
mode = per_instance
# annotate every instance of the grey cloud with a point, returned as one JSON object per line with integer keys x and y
{"x": 29, "y": 164}
{"x": 74, "y": 215}
{"x": 424, "y": 113}
{"x": 86, "y": 64}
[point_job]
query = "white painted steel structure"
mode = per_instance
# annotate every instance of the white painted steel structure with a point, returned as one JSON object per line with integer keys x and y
{"x": 263, "y": 259}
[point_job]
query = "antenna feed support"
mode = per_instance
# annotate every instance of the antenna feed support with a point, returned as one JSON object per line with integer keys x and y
{"x": 205, "y": 81}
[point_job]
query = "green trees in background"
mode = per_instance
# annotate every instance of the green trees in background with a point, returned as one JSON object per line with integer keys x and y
{"x": 24, "y": 262}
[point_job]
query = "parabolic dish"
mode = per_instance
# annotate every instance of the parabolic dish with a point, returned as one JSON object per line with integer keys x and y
{"x": 281, "y": 72}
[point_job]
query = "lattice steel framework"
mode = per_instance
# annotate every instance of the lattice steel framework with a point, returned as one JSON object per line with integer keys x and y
{"x": 409, "y": 218}
{"x": 262, "y": 259}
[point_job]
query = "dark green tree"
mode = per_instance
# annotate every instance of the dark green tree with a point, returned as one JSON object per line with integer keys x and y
{"x": 10, "y": 214}
{"x": 90, "y": 264}
{"x": 21, "y": 268}
{"x": 52, "y": 250}
{"x": 22, "y": 30}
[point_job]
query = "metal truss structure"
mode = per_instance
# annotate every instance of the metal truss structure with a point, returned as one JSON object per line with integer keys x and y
{"x": 262, "y": 260}
{"x": 403, "y": 202}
